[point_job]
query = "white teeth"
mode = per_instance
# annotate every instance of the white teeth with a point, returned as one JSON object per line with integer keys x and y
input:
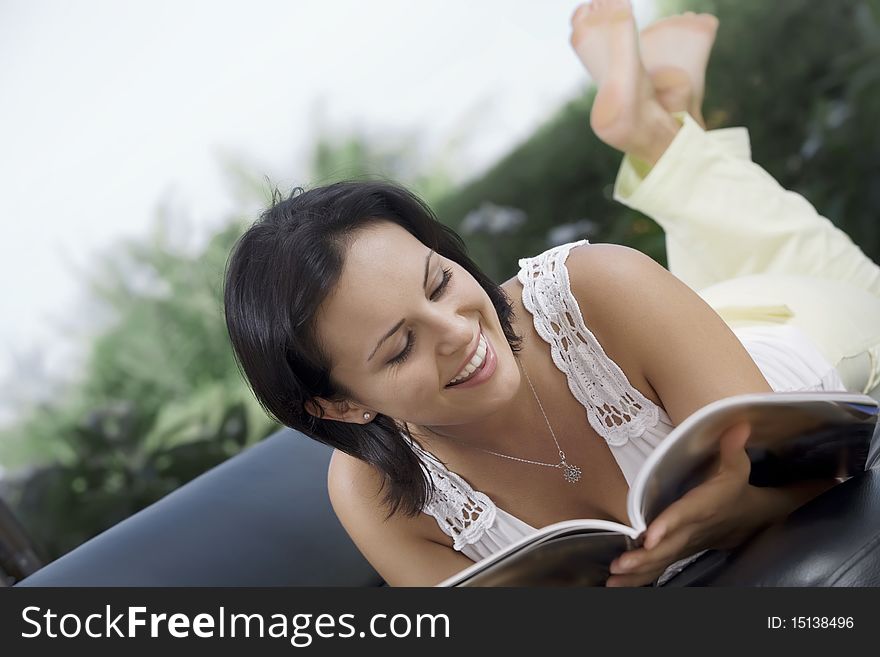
{"x": 474, "y": 363}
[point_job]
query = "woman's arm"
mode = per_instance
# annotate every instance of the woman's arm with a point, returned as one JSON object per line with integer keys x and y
{"x": 681, "y": 345}
{"x": 691, "y": 358}
{"x": 404, "y": 551}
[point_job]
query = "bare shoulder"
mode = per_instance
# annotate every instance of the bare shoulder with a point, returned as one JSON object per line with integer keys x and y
{"x": 611, "y": 272}
{"x": 405, "y": 551}
{"x": 672, "y": 337}
{"x": 348, "y": 475}
{"x": 591, "y": 270}
{"x": 612, "y": 283}
{"x": 608, "y": 281}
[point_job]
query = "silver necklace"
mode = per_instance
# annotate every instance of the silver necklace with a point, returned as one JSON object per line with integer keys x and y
{"x": 572, "y": 473}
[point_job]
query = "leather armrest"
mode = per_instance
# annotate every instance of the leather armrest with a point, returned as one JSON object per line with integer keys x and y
{"x": 262, "y": 518}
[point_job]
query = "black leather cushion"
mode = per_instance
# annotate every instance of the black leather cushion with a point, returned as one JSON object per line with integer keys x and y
{"x": 833, "y": 540}
{"x": 262, "y": 518}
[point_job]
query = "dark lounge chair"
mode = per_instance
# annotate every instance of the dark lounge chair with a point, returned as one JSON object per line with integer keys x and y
{"x": 263, "y": 518}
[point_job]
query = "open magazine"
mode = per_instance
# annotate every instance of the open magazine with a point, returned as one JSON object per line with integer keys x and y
{"x": 795, "y": 436}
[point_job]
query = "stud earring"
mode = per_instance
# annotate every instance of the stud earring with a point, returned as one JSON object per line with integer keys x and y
{"x": 366, "y": 416}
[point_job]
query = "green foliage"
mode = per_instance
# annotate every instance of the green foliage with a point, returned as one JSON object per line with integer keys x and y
{"x": 355, "y": 156}
{"x": 550, "y": 185}
{"x": 801, "y": 75}
{"x": 160, "y": 402}
{"x": 561, "y": 175}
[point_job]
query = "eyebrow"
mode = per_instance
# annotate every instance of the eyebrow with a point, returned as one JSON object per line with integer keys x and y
{"x": 397, "y": 326}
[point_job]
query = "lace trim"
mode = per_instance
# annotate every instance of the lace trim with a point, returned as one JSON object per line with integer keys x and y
{"x": 463, "y": 513}
{"x": 615, "y": 409}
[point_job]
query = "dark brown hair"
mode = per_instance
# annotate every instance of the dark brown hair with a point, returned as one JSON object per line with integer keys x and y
{"x": 278, "y": 274}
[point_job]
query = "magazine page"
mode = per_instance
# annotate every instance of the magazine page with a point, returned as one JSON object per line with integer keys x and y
{"x": 566, "y": 553}
{"x": 795, "y": 436}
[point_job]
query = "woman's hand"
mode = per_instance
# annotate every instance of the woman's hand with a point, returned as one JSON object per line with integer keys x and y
{"x": 720, "y": 513}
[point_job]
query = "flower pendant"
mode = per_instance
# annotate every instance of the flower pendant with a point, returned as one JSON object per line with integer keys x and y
{"x": 572, "y": 473}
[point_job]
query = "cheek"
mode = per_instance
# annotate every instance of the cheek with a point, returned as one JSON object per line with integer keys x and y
{"x": 416, "y": 384}
{"x": 419, "y": 383}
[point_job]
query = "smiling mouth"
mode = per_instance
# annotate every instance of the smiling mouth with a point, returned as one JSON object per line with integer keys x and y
{"x": 482, "y": 366}
{"x": 473, "y": 374}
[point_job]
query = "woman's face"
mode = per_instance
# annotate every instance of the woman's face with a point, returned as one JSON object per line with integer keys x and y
{"x": 438, "y": 317}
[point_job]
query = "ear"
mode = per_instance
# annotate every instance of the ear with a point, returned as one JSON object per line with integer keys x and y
{"x": 342, "y": 411}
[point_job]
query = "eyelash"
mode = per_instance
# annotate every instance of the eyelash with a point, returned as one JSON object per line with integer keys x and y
{"x": 397, "y": 360}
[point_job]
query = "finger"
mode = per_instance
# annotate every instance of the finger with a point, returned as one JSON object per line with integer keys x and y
{"x": 645, "y": 561}
{"x": 630, "y": 562}
{"x": 687, "y": 510}
{"x": 732, "y": 444}
{"x": 630, "y": 580}
{"x": 692, "y": 507}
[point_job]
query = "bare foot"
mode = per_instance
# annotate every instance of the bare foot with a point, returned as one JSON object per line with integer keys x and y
{"x": 626, "y": 113}
{"x": 675, "y": 52}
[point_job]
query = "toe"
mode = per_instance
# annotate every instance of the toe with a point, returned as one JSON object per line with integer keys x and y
{"x": 709, "y": 20}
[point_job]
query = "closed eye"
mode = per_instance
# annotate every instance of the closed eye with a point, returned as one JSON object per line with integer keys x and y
{"x": 411, "y": 339}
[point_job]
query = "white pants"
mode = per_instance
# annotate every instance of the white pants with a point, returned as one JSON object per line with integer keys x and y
{"x": 756, "y": 252}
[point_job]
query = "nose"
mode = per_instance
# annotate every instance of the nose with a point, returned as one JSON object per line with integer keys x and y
{"x": 455, "y": 334}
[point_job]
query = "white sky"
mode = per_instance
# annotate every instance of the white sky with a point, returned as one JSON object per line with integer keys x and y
{"x": 109, "y": 109}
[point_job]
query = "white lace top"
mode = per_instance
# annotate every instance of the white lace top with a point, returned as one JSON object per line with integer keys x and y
{"x": 632, "y": 424}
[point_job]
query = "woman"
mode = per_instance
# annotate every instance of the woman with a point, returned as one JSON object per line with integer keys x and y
{"x": 466, "y": 414}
